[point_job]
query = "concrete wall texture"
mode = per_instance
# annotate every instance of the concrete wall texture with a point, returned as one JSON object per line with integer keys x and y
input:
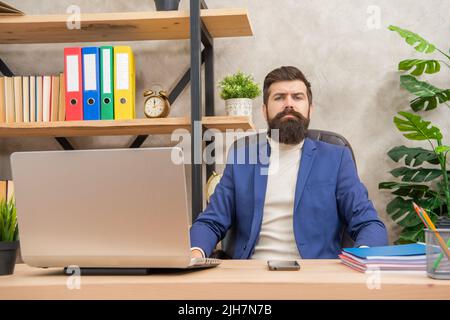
{"x": 343, "y": 47}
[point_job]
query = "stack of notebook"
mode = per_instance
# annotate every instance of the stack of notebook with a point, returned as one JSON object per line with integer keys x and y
{"x": 399, "y": 257}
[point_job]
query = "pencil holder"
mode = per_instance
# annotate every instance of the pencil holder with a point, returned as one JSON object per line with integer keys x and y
{"x": 438, "y": 264}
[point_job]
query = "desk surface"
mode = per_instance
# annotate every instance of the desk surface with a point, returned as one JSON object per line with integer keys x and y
{"x": 238, "y": 279}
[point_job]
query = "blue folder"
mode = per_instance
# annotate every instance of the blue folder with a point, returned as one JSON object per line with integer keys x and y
{"x": 413, "y": 249}
{"x": 91, "y": 83}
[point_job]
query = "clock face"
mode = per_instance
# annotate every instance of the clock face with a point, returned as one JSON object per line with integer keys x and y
{"x": 154, "y": 107}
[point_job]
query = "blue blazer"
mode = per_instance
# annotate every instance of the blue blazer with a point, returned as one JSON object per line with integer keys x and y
{"x": 328, "y": 196}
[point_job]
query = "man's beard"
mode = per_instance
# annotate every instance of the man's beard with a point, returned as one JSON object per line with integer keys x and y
{"x": 291, "y": 130}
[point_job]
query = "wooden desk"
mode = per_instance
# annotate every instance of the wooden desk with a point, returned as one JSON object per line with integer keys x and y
{"x": 239, "y": 279}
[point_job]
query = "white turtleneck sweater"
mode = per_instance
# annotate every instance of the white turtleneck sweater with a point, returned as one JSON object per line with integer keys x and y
{"x": 276, "y": 240}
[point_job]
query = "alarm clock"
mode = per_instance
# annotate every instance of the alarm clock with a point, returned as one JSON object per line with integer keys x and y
{"x": 156, "y": 105}
{"x": 211, "y": 184}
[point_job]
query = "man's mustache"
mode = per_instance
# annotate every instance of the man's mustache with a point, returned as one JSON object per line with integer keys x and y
{"x": 292, "y": 112}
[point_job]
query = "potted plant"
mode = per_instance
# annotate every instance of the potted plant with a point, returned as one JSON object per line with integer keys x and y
{"x": 238, "y": 91}
{"x": 9, "y": 235}
{"x": 166, "y": 5}
{"x": 424, "y": 175}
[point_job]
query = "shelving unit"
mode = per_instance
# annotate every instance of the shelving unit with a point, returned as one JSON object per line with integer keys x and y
{"x": 201, "y": 25}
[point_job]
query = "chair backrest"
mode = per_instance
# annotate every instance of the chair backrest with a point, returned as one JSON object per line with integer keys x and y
{"x": 330, "y": 137}
{"x": 321, "y": 135}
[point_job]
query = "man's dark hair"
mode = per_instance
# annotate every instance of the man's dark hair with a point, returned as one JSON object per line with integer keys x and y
{"x": 286, "y": 73}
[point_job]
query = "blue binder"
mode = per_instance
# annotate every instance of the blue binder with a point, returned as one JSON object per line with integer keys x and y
{"x": 91, "y": 83}
{"x": 402, "y": 250}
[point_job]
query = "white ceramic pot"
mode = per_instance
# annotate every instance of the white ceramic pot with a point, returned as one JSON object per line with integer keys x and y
{"x": 239, "y": 107}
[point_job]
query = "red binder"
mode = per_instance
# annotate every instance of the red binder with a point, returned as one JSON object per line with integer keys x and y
{"x": 73, "y": 77}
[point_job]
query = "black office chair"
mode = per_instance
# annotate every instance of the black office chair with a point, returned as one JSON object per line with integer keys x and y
{"x": 326, "y": 136}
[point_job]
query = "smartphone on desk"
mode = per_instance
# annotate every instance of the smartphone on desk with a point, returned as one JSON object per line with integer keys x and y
{"x": 283, "y": 265}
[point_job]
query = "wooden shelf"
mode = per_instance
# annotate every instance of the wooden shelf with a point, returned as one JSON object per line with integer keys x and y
{"x": 117, "y": 127}
{"x": 224, "y": 123}
{"x": 124, "y": 26}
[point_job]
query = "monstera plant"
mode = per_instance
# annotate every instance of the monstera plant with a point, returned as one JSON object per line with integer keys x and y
{"x": 424, "y": 178}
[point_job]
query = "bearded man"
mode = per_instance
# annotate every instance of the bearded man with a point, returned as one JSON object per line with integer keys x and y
{"x": 294, "y": 205}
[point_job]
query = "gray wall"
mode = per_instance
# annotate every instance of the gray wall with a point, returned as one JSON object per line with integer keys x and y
{"x": 352, "y": 68}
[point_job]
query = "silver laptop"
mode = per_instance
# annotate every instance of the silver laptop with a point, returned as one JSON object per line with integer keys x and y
{"x": 112, "y": 208}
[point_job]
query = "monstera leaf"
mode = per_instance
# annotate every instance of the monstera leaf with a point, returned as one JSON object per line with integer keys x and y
{"x": 430, "y": 103}
{"x": 413, "y": 39}
{"x": 421, "y": 66}
{"x": 402, "y": 212}
{"x": 416, "y": 175}
{"x": 415, "y": 191}
{"x": 411, "y": 235}
{"x": 416, "y": 127}
{"x": 419, "y": 88}
{"x": 428, "y": 95}
{"x": 414, "y": 156}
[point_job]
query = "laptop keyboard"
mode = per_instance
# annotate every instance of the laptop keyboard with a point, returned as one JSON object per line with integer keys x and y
{"x": 205, "y": 262}
{"x": 212, "y": 261}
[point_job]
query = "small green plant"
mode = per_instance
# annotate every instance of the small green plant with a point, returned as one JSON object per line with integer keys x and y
{"x": 239, "y": 85}
{"x": 9, "y": 231}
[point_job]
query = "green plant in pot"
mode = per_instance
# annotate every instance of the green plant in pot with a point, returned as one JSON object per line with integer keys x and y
{"x": 424, "y": 177}
{"x": 239, "y": 90}
{"x": 9, "y": 234}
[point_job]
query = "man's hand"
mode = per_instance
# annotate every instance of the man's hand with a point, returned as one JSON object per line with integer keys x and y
{"x": 195, "y": 253}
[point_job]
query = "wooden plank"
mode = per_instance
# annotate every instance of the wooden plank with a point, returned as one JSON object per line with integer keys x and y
{"x": 227, "y": 23}
{"x": 93, "y": 128}
{"x": 121, "y": 26}
{"x": 116, "y": 127}
{"x": 223, "y": 123}
{"x": 233, "y": 279}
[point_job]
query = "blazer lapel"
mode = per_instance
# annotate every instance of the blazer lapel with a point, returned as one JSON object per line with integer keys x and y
{"x": 260, "y": 185}
{"x": 306, "y": 162}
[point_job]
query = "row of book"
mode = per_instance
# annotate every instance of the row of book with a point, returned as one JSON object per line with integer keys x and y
{"x": 100, "y": 83}
{"x": 6, "y": 190}
{"x": 32, "y": 99}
